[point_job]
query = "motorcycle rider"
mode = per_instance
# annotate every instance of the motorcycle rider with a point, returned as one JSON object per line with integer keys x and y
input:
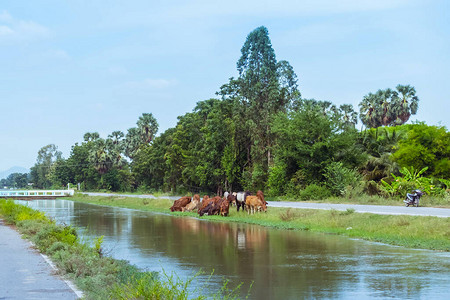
{"x": 412, "y": 198}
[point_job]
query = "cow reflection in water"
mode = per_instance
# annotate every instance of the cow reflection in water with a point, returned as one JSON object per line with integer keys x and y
{"x": 247, "y": 237}
{"x": 251, "y": 238}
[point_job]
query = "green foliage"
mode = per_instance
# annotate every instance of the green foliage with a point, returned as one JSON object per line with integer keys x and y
{"x": 276, "y": 182}
{"x": 425, "y": 146}
{"x": 339, "y": 178}
{"x": 379, "y": 144}
{"x": 15, "y": 180}
{"x": 311, "y": 138}
{"x": 315, "y": 192}
{"x": 412, "y": 179}
{"x": 39, "y": 173}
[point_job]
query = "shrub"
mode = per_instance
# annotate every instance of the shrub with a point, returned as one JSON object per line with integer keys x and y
{"x": 412, "y": 179}
{"x": 341, "y": 180}
{"x": 315, "y": 192}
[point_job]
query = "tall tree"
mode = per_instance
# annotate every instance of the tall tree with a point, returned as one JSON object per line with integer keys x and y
{"x": 266, "y": 87}
{"x": 47, "y": 155}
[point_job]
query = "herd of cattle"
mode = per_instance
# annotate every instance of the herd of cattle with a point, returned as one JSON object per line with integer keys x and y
{"x": 221, "y": 205}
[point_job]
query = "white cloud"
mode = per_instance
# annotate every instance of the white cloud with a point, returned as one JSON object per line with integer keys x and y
{"x": 5, "y": 16}
{"x": 5, "y": 30}
{"x": 13, "y": 30}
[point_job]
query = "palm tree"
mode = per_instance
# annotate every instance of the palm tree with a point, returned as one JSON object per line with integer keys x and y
{"x": 91, "y": 136}
{"x": 147, "y": 126}
{"x": 350, "y": 117}
{"x": 116, "y": 137}
{"x": 132, "y": 142}
{"x": 100, "y": 157}
{"x": 369, "y": 111}
{"x": 388, "y": 107}
{"x": 406, "y": 103}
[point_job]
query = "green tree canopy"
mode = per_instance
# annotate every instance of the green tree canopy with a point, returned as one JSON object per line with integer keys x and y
{"x": 389, "y": 107}
{"x": 425, "y": 146}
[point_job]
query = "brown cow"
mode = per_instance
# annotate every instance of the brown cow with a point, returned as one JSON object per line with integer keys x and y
{"x": 225, "y": 208}
{"x": 231, "y": 199}
{"x": 193, "y": 204}
{"x": 211, "y": 206}
{"x": 260, "y": 195}
{"x": 254, "y": 203}
{"x": 210, "y": 209}
{"x": 180, "y": 203}
{"x": 204, "y": 203}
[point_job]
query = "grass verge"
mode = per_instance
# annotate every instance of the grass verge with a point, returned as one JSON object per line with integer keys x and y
{"x": 98, "y": 276}
{"x": 409, "y": 231}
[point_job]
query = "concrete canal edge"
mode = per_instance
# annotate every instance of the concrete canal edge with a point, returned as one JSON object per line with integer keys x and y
{"x": 28, "y": 273}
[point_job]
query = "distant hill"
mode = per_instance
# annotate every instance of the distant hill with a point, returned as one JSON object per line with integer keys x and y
{"x": 4, "y": 174}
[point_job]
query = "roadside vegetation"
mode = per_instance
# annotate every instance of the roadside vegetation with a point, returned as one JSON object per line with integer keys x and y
{"x": 97, "y": 275}
{"x": 409, "y": 231}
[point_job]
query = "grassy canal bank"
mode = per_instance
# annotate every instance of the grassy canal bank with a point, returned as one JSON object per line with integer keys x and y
{"x": 97, "y": 275}
{"x": 409, "y": 231}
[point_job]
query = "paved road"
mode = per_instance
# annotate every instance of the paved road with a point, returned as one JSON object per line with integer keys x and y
{"x": 24, "y": 273}
{"x": 374, "y": 209}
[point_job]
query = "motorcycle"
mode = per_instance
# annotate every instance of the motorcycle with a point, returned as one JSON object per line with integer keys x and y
{"x": 413, "y": 199}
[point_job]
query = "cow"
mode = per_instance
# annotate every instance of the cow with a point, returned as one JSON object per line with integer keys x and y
{"x": 254, "y": 203}
{"x": 231, "y": 199}
{"x": 210, "y": 209}
{"x": 205, "y": 209}
{"x": 224, "y": 205}
{"x": 260, "y": 195}
{"x": 194, "y": 204}
{"x": 204, "y": 203}
{"x": 240, "y": 199}
{"x": 180, "y": 203}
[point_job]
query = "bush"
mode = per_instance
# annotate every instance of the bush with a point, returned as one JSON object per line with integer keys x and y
{"x": 343, "y": 181}
{"x": 412, "y": 179}
{"x": 314, "y": 192}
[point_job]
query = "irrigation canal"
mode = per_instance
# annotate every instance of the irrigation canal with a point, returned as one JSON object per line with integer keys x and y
{"x": 281, "y": 264}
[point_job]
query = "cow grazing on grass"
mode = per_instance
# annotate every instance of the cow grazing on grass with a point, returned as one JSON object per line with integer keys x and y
{"x": 255, "y": 203}
{"x": 180, "y": 203}
{"x": 211, "y": 209}
{"x": 260, "y": 195}
{"x": 204, "y": 203}
{"x": 193, "y": 205}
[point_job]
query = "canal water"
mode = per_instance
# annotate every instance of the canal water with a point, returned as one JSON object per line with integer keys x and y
{"x": 279, "y": 264}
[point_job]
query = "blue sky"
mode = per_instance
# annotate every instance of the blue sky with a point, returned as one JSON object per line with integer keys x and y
{"x": 71, "y": 67}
